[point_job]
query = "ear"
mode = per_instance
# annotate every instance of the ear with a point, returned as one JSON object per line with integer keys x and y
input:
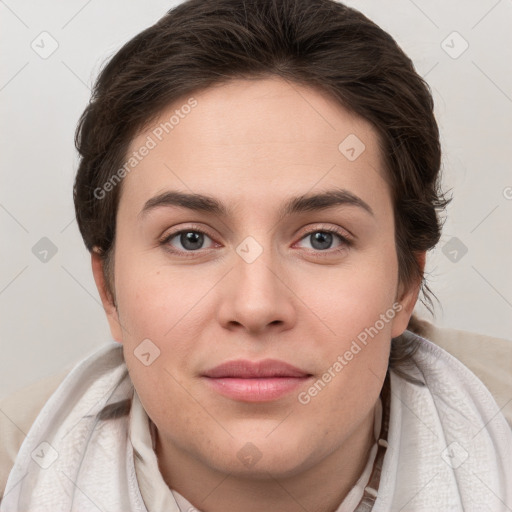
{"x": 106, "y": 298}
{"x": 407, "y": 299}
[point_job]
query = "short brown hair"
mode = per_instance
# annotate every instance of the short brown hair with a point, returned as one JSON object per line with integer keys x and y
{"x": 319, "y": 43}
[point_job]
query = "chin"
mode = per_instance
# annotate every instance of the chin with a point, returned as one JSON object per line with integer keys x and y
{"x": 262, "y": 459}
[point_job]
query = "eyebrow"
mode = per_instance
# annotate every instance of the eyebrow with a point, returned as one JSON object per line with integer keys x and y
{"x": 295, "y": 205}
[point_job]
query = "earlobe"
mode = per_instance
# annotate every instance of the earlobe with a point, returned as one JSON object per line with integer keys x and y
{"x": 106, "y": 298}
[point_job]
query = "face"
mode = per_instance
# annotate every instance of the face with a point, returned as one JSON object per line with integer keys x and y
{"x": 296, "y": 301}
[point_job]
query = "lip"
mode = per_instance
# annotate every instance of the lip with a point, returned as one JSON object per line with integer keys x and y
{"x": 244, "y": 369}
{"x": 259, "y": 381}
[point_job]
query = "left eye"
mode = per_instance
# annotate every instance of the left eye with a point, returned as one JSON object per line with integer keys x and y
{"x": 322, "y": 239}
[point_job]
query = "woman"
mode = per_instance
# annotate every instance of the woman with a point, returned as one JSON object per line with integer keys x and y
{"x": 258, "y": 187}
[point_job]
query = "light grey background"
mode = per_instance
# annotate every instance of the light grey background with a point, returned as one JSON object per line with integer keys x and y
{"x": 50, "y": 311}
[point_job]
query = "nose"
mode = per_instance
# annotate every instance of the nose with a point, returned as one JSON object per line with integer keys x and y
{"x": 256, "y": 296}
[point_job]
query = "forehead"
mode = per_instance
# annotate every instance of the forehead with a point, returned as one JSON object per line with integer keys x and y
{"x": 266, "y": 136}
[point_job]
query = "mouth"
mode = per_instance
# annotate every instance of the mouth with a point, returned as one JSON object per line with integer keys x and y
{"x": 260, "y": 381}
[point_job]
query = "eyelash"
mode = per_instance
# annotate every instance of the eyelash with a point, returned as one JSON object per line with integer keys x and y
{"x": 346, "y": 241}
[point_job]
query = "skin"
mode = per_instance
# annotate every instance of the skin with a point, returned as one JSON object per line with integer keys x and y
{"x": 254, "y": 144}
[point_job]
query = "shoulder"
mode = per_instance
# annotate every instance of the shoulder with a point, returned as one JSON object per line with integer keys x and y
{"x": 17, "y": 414}
{"x": 488, "y": 358}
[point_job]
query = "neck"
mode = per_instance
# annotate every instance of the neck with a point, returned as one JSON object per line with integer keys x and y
{"x": 319, "y": 488}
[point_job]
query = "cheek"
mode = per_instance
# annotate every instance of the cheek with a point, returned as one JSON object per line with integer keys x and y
{"x": 160, "y": 315}
{"x": 355, "y": 352}
{"x": 355, "y": 296}
{"x": 357, "y": 313}
{"x": 150, "y": 300}
{"x": 155, "y": 321}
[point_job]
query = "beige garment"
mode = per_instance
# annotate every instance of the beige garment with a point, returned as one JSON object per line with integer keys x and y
{"x": 17, "y": 413}
{"x": 489, "y": 358}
